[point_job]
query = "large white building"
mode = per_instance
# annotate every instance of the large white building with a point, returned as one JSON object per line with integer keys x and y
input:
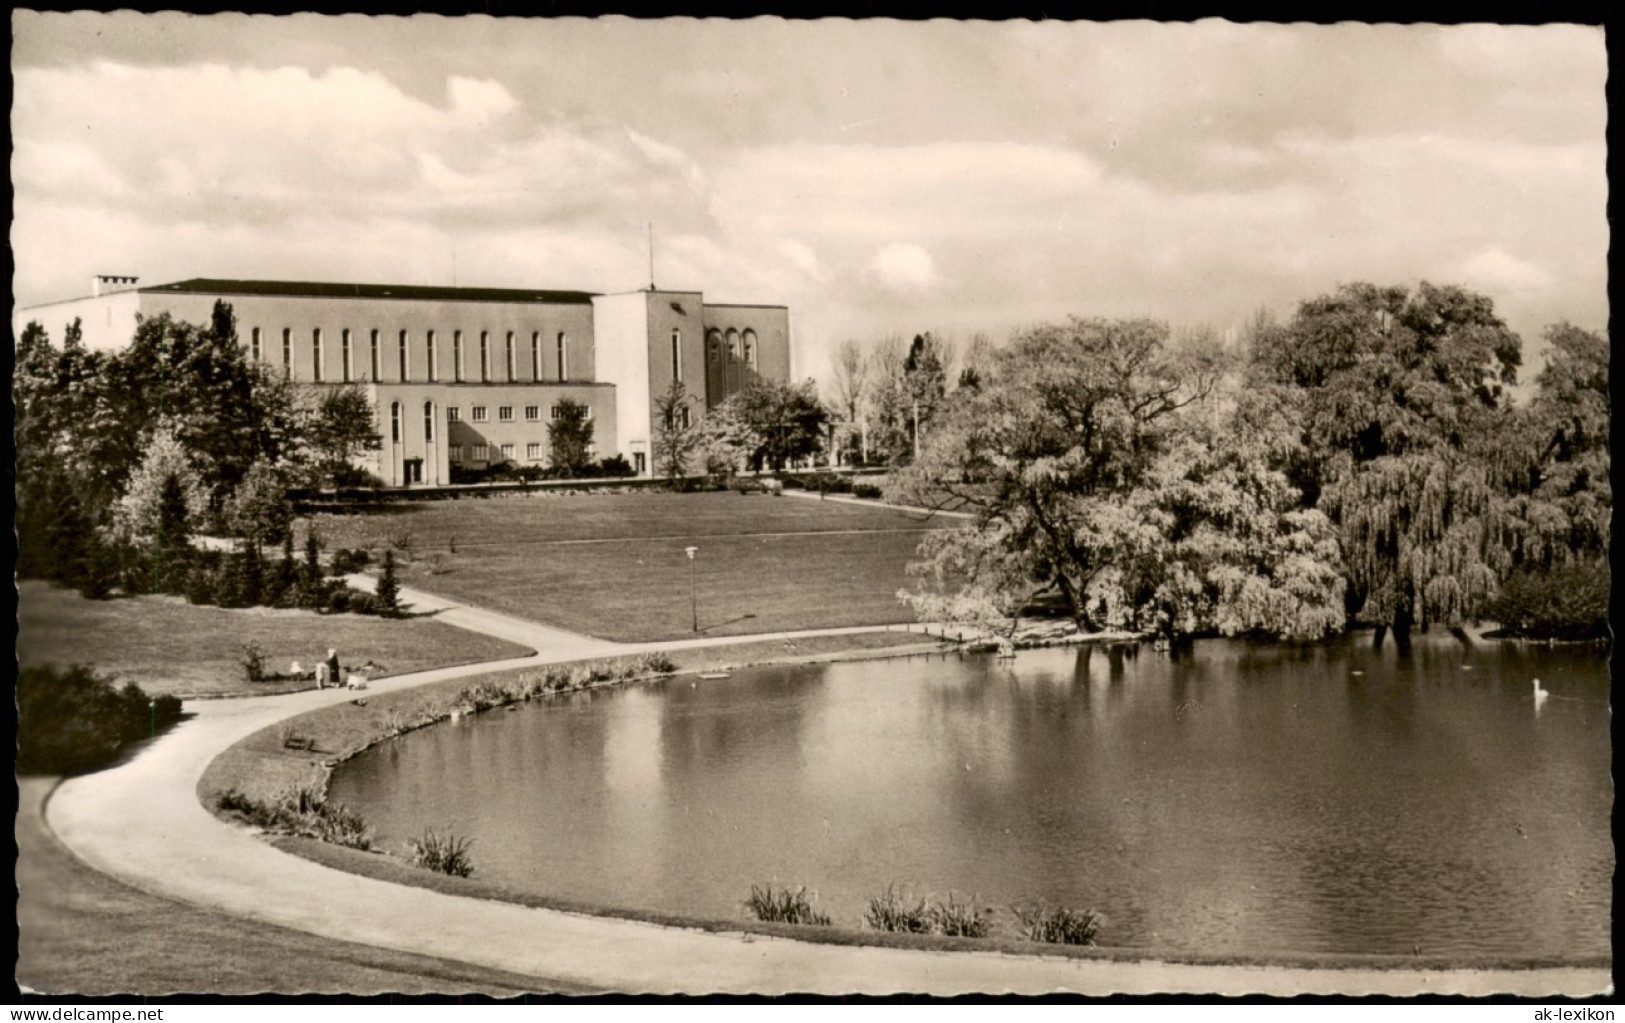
{"x": 469, "y": 376}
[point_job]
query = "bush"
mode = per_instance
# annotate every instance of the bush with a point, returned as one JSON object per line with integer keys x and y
{"x": 783, "y": 906}
{"x": 868, "y": 491}
{"x": 74, "y": 721}
{"x": 893, "y": 912}
{"x": 253, "y": 661}
{"x": 443, "y": 854}
{"x": 304, "y": 812}
{"x": 338, "y": 600}
{"x": 615, "y": 467}
{"x": 1568, "y": 602}
{"x": 1058, "y": 925}
{"x": 348, "y": 560}
{"x": 958, "y": 920}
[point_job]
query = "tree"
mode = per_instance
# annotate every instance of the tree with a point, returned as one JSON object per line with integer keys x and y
{"x": 677, "y": 435}
{"x": 569, "y": 437}
{"x": 787, "y": 419}
{"x": 389, "y": 588}
{"x": 1073, "y": 418}
{"x": 164, "y": 476}
{"x": 725, "y": 441}
{"x": 259, "y": 510}
{"x": 850, "y": 385}
{"x": 342, "y": 426}
{"x": 1404, "y": 397}
{"x": 977, "y": 363}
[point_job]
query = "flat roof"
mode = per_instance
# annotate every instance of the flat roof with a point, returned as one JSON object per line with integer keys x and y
{"x": 323, "y": 289}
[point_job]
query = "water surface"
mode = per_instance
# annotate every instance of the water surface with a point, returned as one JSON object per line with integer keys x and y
{"x": 1240, "y": 799}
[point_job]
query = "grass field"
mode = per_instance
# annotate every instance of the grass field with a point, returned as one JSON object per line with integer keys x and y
{"x": 613, "y": 565}
{"x": 166, "y": 645}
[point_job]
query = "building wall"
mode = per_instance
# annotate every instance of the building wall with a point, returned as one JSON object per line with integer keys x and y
{"x": 621, "y": 329}
{"x": 683, "y": 312}
{"x": 108, "y": 321}
{"x": 744, "y": 343}
{"x": 301, "y": 317}
{"x": 521, "y": 428}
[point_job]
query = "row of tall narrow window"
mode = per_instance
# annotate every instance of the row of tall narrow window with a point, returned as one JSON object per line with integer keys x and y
{"x": 477, "y": 413}
{"x": 737, "y": 347}
{"x": 375, "y": 356}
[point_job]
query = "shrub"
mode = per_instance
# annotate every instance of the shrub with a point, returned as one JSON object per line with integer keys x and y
{"x": 363, "y": 603}
{"x": 1058, "y": 925}
{"x": 958, "y": 920}
{"x": 348, "y": 560}
{"x": 304, "y": 812}
{"x": 868, "y": 491}
{"x": 892, "y": 912}
{"x": 253, "y": 661}
{"x": 1567, "y": 602}
{"x": 615, "y": 466}
{"x": 388, "y": 594}
{"x": 338, "y": 599}
{"x": 73, "y": 721}
{"x": 783, "y": 906}
{"x": 443, "y": 854}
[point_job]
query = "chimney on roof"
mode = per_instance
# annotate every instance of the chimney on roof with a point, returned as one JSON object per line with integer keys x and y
{"x": 110, "y": 283}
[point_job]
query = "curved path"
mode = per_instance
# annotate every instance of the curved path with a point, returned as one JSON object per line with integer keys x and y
{"x": 142, "y": 822}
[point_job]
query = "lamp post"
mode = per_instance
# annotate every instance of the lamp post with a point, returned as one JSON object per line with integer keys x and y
{"x": 693, "y": 599}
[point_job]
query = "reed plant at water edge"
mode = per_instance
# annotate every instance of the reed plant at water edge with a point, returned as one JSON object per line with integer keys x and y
{"x": 783, "y": 906}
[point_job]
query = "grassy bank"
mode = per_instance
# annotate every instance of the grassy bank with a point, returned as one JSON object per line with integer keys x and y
{"x": 166, "y": 645}
{"x": 614, "y": 565}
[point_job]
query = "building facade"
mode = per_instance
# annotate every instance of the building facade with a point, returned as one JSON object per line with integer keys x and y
{"x": 469, "y": 376}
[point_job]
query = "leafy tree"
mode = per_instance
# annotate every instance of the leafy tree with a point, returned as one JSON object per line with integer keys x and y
{"x": 171, "y": 548}
{"x": 165, "y": 465}
{"x": 259, "y": 509}
{"x": 786, "y": 419}
{"x": 1404, "y": 396}
{"x": 725, "y": 441}
{"x": 677, "y": 435}
{"x": 1073, "y": 419}
{"x": 569, "y": 437}
{"x": 851, "y": 381}
{"x": 341, "y": 427}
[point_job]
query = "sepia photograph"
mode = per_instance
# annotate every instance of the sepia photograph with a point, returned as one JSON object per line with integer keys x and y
{"x": 515, "y": 508}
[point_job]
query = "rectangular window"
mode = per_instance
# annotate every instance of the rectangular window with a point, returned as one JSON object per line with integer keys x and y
{"x": 508, "y": 358}
{"x": 533, "y": 451}
{"x": 480, "y": 452}
{"x": 434, "y": 366}
{"x": 394, "y": 422}
{"x": 316, "y": 354}
{"x": 254, "y": 344}
{"x": 428, "y": 422}
{"x": 504, "y": 413}
{"x": 477, "y": 413}
{"x": 507, "y": 452}
{"x": 532, "y": 413}
{"x": 344, "y": 353}
{"x": 454, "y": 452}
{"x": 554, "y": 413}
{"x": 563, "y": 354}
{"x": 453, "y": 414}
{"x": 287, "y": 353}
{"x": 536, "y": 355}
{"x": 683, "y": 417}
{"x": 457, "y": 356}
{"x": 485, "y": 358}
{"x": 676, "y": 354}
{"x": 406, "y": 360}
{"x": 374, "y": 358}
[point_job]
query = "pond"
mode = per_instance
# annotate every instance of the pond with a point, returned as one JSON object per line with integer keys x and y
{"x": 1238, "y": 798}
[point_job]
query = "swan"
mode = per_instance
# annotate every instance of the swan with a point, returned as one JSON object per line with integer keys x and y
{"x": 1540, "y": 694}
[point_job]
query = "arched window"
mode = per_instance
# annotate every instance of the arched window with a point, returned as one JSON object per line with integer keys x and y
{"x": 564, "y": 356}
{"x": 287, "y": 353}
{"x": 457, "y": 356}
{"x": 750, "y": 348}
{"x": 713, "y": 345}
{"x": 508, "y": 357}
{"x": 344, "y": 354}
{"x": 535, "y": 355}
{"x": 485, "y": 357}
{"x": 375, "y": 357}
{"x": 434, "y": 367}
{"x": 406, "y": 360}
{"x": 254, "y": 345}
{"x": 394, "y": 422}
{"x": 316, "y": 354}
{"x": 676, "y": 354}
{"x": 733, "y": 345}
{"x": 428, "y": 422}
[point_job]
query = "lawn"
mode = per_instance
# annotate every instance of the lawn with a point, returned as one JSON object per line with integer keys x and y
{"x": 613, "y": 565}
{"x": 166, "y": 645}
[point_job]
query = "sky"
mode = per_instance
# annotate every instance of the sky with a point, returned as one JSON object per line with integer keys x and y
{"x": 879, "y": 178}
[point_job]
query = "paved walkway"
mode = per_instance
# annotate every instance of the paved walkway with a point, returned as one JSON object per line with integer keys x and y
{"x": 142, "y": 823}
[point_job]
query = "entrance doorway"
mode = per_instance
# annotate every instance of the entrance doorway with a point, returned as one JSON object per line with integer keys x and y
{"x": 413, "y": 470}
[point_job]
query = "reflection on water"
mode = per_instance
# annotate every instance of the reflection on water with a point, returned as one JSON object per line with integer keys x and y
{"x": 1233, "y": 798}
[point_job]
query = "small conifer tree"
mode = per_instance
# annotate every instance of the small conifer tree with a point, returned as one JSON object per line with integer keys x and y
{"x": 389, "y": 588}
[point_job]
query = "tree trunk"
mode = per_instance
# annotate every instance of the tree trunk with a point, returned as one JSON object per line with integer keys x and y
{"x": 1378, "y": 636}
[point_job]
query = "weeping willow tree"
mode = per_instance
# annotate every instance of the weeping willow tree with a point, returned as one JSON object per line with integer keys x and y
{"x": 1405, "y": 401}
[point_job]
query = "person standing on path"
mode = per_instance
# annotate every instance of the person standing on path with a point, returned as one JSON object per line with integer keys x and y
{"x": 333, "y": 666}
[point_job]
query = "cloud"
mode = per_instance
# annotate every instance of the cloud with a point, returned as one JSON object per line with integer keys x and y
{"x": 1497, "y": 271}
{"x": 904, "y": 267}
